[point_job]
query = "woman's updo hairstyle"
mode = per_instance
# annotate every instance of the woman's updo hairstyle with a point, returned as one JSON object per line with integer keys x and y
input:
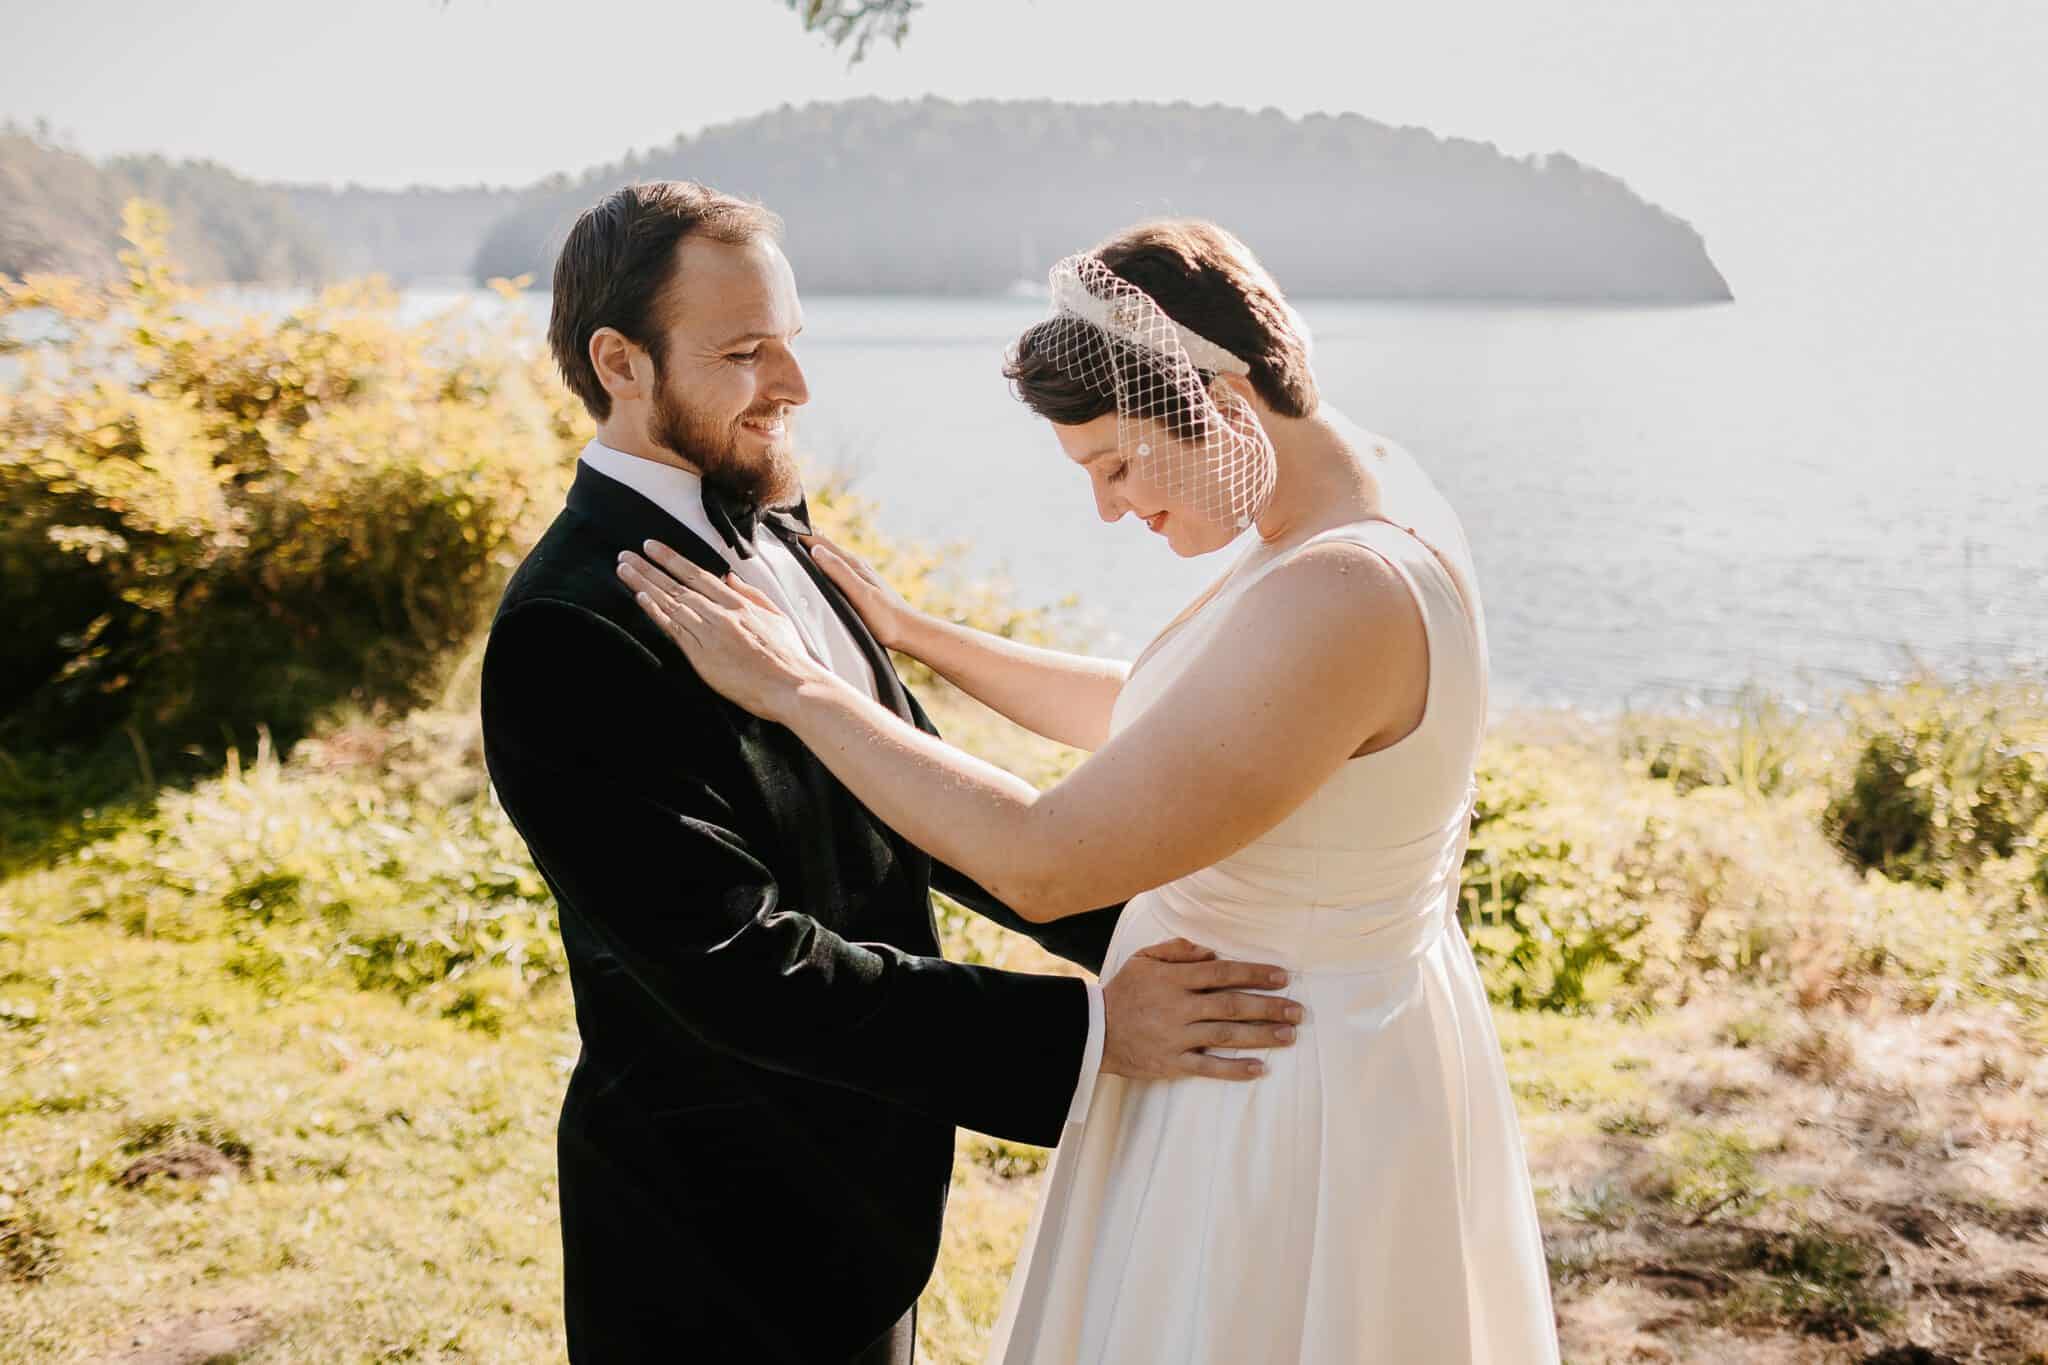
{"x": 1207, "y": 281}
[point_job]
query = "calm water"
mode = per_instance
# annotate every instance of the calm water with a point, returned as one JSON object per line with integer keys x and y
{"x": 1665, "y": 503}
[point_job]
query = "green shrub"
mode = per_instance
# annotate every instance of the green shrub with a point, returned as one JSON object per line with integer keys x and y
{"x": 1830, "y": 1285}
{"x": 1545, "y": 935}
{"x": 1752, "y": 745}
{"x": 2037, "y": 844}
{"x": 1709, "y": 1173}
{"x": 338, "y": 864}
{"x": 52, "y": 804}
{"x": 211, "y": 521}
{"x": 1941, "y": 782}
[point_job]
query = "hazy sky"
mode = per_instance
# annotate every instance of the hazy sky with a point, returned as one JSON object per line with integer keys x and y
{"x": 1860, "y": 138}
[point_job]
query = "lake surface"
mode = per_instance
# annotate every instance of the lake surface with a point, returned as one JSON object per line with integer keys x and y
{"x": 1666, "y": 504}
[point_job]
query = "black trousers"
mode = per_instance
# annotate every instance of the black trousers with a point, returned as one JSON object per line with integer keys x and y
{"x": 897, "y": 1346}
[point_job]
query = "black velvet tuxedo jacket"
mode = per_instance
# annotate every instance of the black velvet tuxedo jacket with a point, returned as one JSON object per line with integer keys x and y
{"x": 756, "y": 1143}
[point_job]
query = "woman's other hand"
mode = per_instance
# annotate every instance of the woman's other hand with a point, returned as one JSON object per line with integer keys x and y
{"x": 888, "y": 616}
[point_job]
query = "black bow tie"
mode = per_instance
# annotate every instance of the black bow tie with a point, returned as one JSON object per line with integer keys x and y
{"x": 735, "y": 517}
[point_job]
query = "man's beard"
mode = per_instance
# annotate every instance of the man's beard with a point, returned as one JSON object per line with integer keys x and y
{"x": 767, "y": 479}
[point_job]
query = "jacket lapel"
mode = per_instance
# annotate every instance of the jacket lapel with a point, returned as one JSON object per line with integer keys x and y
{"x": 632, "y": 519}
{"x": 794, "y": 786}
{"x": 623, "y": 515}
{"x": 888, "y": 686}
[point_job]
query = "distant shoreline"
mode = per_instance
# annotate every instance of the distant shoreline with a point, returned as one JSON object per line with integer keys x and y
{"x": 937, "y": 197}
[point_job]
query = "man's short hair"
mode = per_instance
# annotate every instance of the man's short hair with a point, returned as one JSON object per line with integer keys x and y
{"x": 617, "y": 268}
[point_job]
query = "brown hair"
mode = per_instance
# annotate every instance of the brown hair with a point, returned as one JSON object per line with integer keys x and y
{"x": 618, "y": 264}
{"x": 1206, "y": 280}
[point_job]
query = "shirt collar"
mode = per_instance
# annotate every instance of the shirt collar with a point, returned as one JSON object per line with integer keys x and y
{"x": 678, "y": 492}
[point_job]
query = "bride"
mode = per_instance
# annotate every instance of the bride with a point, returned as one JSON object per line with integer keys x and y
{"x": 1284, "y": 773}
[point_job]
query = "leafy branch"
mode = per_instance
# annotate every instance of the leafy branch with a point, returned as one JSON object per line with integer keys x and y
{"x": 860, "y": 22}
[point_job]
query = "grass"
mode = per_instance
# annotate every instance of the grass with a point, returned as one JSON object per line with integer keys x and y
{"x": 1804, "y": 1117}
{"x": 399, "y": 1168}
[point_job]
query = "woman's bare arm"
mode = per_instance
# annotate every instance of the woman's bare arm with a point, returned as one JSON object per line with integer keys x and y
{"x": 1065, "y": 697}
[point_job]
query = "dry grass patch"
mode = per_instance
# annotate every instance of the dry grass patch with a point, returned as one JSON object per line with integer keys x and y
{"x": 1784, "y": 1219}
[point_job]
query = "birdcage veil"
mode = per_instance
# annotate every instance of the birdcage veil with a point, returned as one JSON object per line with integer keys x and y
{"x": 1204, "y": 449}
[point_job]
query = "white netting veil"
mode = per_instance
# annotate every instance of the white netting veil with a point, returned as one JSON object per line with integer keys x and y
{"x": 1204, "y": 449}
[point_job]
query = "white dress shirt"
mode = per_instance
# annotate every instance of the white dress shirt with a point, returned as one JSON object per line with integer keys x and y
{"x": 774, "y": 570}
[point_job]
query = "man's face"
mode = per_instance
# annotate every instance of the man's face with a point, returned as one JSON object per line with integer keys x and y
{"x": 730, "y": 383}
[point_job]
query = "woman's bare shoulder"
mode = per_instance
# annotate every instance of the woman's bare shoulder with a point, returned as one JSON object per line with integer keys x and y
{"x": 1333, "y": 580}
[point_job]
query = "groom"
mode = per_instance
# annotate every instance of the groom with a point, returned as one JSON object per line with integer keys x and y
{"x": 757, "y": 1141}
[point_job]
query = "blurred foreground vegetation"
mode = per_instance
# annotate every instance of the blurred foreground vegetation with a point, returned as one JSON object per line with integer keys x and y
{"x": 283, "y": 1021}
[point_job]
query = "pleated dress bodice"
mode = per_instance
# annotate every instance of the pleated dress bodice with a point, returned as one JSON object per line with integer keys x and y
{"x": 1358, "y": 875}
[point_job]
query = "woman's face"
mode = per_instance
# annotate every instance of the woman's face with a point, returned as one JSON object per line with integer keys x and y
{"x": 1125, "y": 481}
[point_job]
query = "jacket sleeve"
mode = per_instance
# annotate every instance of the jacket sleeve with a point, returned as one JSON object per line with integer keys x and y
{"x": 611, "y": 772}
{"x": 1081, "y": 939}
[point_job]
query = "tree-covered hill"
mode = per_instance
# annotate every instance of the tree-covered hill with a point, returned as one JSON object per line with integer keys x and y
{"x": 933, "y": 196}
{"x": 61, "y": 212}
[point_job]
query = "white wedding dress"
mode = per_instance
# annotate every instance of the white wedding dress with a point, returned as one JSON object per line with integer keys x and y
{"x": 1367, "y": 1199}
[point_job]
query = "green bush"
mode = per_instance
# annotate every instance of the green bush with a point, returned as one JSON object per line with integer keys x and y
{"x": 376, "y": 855}
{"x": 1753, "y": 745}
{"x": 2040, "y": 878}
{"x": 210, "y": 522}
{"x": 1941, "y": 782}
{"x": 1545, "y": 934}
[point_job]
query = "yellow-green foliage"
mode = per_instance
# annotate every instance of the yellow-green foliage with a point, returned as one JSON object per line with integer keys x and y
{"x": 1592, "y": 889}
{"x": 379, "y": 859}
{"x": 211, "y": 520}
{"x": 1942, "y": 781}
{"x": 1548, "y": 929}
{"x": 1753, "y": 745}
